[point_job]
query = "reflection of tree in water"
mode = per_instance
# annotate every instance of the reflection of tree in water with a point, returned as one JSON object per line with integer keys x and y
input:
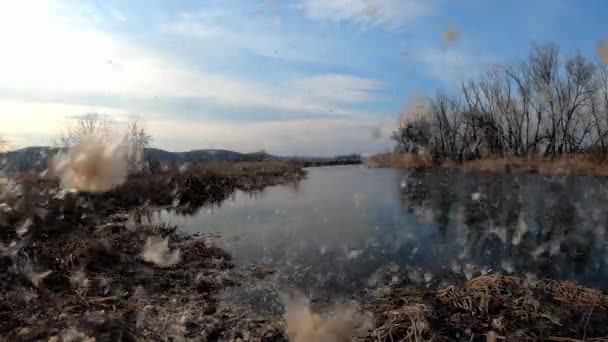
{"x": 513, "y": 223}
{"x": 570, "y": 238}
{"x": 192, "y": 206}
{"x": 418, "y": 192}
{"x": 492, "y": 218}
{"x": 520, "y": 224}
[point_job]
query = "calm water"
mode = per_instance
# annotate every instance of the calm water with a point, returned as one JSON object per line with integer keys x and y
{"x": 337, "y": 227}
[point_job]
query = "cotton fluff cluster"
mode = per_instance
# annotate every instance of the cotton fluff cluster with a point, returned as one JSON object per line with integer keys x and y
{"x": 451, "y": 35}
{"x": 602, "y": 50}
{"x": 305, "y": 326}
{"x": 91, "y": 166}
{"x": 156, "y": 251}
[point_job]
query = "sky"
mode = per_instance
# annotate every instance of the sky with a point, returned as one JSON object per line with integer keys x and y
{"x": 301, "y": 77}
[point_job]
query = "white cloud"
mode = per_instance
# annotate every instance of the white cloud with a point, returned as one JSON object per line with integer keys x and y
{"x": 47, "y": 59}
{"x": 117, "y": 14}
{"x": 389, "y": 14}
{"x": 340, "y": 88}
{"x": 323, "y": 137}
{"x": 39, "y": 123}
{"x": 454, "y": 64}
{"x": 253, "y": 34}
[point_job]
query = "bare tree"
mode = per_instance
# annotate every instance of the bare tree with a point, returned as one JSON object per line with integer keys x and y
{"x": 599, "y": 109}
{"x": 138, "y": 139}
{"x": 544, "y": 104}
{"x": 413, "y": 135}
{"x": 138, "y": 136}
{"x": 91, "y": 125}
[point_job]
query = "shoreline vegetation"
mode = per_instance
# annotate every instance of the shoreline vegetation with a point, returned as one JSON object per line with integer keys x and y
{"x": 37, "y": 158}
{"x": 81, "y": 267}
{"x": 575, "y": 165}
{"x": 547, "y": 113}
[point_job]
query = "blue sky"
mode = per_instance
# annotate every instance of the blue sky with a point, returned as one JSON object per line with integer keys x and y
{"x": 291, "y": 77}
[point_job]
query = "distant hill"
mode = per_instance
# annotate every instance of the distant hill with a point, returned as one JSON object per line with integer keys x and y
{"x": 326, "y": 161}
{"x": 34, "y": 157}
{"x": 37, "y": 158}
{"x": 155, "y": 154}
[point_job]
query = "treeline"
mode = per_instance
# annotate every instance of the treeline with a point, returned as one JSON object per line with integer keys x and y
{"x": 548, "y": 105}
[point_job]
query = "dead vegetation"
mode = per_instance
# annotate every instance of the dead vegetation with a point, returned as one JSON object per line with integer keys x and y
{"x": 192, "y": 185}
{"x": 255, "y": 175}
{"x": 101, "y": 288}
{"x": 490, "y": 307}
{"x": 409, "y": 322}
{"x": 487, "y": 308}
{"x": 513, "y": 308}
{"x": 98, "y": 285}
{"x": 399, "y": 160}
{"x": 580, "y": 165}
{"x": 79, "y": 267}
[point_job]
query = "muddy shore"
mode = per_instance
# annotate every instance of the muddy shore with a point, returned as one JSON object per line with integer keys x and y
{"x": 73, "y": 268}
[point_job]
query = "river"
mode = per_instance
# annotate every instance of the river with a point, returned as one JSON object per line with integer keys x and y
{"x": 333, "y": 230}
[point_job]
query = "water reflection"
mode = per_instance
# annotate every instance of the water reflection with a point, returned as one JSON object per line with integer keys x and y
{"x": 553, "y": 227}
{"x": 336, "y": 228}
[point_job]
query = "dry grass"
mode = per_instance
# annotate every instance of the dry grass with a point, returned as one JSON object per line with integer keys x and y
{"x": 502, "y": 165}
{"x": 477, "y": 294}
{"x": 191, "y": 186}
{"x": 544, "y": 307}
{"x": 399, "y": 160}
{"x": 567, "y": 165}
{"x": 406, "y": 323}
{"x": 492, "y": 307}
{"x": 93, "y": 280}
{"x": 574, "y": 294}
{"x": 583, "y": 165}
{"x": 235, "y": 169}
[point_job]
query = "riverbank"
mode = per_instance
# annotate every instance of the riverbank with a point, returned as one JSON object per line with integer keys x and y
{"x": 511, "y": 308}
{"x": 99, "y": 283}
{"x": 398, "y": 305}
{"x": 77, "y": 267}
{"x": 581, "y": 165}
{"x": 399, "y": 160}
